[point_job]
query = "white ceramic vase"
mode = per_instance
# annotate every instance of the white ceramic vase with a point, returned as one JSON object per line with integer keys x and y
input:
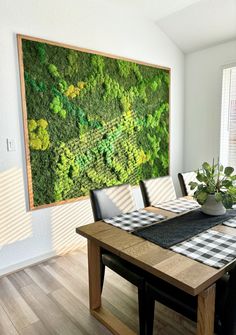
{"x": 212, "y": 207}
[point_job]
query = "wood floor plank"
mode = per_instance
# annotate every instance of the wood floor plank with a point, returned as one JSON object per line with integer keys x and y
{"x": 73, "y": 308}
{"x": 74, "y": 286}
{"x": 36, "y": 328}
{"x": 15, "y": 306}
{"x": 43, "y": 278}
{"x": 122, "y": 306}
{"x": 20, "y": 279}
{"x": 166, "y": 321}
{"x": 6, "y": 326}
{"x": 49, "y": 313}
{"x": 77, "y": 269}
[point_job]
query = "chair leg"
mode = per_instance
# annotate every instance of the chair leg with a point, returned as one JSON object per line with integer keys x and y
{"x": 229, "y": 316}
{"x": 142, "y": 311}
{"x": 150, "y": 308}
{"x": 102, "y": 274}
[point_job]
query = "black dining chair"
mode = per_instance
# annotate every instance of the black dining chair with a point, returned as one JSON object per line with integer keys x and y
{"x": 185, "y": 304}
{"x": 106, "y": 203}
{"x": 184, "y": 179}
{"x": 158, "y": 190}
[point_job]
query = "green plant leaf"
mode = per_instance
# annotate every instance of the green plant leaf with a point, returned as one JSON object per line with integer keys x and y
{"x": 218, "y": 197}
{"x": 193, "y": 185}
{"x": 206, "y": 166}
{"x": 227, "y": 201}
{"x": 201, "y": 177}
{"x": 228, "y": 170}
{"x": 227, "y": 183}
{"x": 201, "y": 197}
{"x": 201, "y": 187}
{"x": 232, "y": 190}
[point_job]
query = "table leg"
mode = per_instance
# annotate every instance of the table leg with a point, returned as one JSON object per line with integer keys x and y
{"x": 115, "y": 325}
{"x": 94, "y": 275}
{"x": 206, "y": 311}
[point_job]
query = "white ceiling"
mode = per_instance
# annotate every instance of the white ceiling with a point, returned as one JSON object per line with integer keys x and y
{"x": 203, "y": 24}
{"x": 153, "y": 9}
{"x": 191, "y": 24}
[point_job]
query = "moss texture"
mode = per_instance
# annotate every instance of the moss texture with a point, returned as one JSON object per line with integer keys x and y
{"x": 93, "y": 121}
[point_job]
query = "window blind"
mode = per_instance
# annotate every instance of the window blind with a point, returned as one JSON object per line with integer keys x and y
{"x": 228, "y": 118}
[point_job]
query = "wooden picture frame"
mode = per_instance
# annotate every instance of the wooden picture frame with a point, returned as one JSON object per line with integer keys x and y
{"x": 27, "y": 115}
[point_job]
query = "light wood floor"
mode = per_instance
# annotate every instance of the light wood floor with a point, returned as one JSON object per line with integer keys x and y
{"x": 52, "y": 298}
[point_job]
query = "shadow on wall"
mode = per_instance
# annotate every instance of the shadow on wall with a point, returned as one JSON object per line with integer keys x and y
{"x": 29, "y": 237}
{"x": 15, "y": 222}
{"x": 64, "y": 220}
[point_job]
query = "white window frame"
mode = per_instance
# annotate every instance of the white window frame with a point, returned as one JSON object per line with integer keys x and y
{"x": 226, "y": 91}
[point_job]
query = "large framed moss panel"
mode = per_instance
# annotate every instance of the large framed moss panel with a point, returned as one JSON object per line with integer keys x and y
{"x": 91, "y": 120}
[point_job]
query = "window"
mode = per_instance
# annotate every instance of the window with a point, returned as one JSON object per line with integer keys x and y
{"x": 228, "y": 118}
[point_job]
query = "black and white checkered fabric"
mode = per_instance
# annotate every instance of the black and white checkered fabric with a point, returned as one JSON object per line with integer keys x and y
{"x": 133, "y": 220}
{"x": 178, "y": 205}
{"x": 230, "y": 222}
{"x": 210, "y": 247}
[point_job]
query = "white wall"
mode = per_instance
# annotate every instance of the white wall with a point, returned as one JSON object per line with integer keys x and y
{"x": 203, "y": 79}
{"x": 26, "y": 237}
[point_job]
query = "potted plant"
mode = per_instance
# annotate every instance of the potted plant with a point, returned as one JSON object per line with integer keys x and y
{"x": 216, "y": 189}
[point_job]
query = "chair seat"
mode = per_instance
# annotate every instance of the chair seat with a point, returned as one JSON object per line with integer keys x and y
{"x": 125, "y": 269}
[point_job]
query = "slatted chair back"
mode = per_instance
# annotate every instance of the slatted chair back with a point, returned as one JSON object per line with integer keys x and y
{"x": 112, "y": 201}
{"x": 184, "y": 180}
{"x": 157, "y": 190}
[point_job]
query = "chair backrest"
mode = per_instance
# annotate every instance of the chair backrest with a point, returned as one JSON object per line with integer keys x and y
{"x": 112, "y": 201}
{"x": 184, "y": 180}
{"x": 157, "y": 190}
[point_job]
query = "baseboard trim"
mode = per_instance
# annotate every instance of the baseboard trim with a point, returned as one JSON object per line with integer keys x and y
{"x": 29, "y": 262}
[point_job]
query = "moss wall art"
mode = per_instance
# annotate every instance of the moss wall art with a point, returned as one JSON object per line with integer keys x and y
{"x": 91, "y": 120}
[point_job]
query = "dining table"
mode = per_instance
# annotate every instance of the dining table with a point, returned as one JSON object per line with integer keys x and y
{"x": 189, "y": 275}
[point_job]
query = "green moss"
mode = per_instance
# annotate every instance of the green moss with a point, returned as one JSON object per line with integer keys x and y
{"x": 126, "y": 68}
{"x": 53, "y": 70}
{"x": 63, "y": 86}
{"x": 98, "y": 63}
{"x": 57, "y": 107}
{"x": 38, "y": 135}
{"x": 66, "y": 169}
{"x": 38, "y": 87}
{"x": 107, "y": 121}
{"x": 41, "y": 52}
{"x": 73, "y": 66}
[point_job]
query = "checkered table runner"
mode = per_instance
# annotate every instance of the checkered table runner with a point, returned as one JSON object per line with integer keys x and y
{"x": 210, "y": 247}
{"x": 230, "y": 222}
{"x": 133, "y": 220}
{"x": 178, "y": 205}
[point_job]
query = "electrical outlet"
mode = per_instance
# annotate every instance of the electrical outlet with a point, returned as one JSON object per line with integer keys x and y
{"x": 11, "y": 144}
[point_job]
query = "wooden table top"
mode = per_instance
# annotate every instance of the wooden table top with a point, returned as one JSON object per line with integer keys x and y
{"x": 183, "y": 272}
